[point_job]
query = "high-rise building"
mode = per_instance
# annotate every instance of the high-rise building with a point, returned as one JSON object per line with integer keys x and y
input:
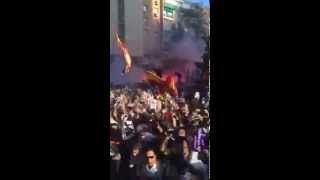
{"x": 152, "y": 26}
{"x": 138, "y": 23}
{"x": 114, "y": 24}
{"x": 170, "y": 12}
{"x": 206, "y": 16}
{"x": 126, "y": 18}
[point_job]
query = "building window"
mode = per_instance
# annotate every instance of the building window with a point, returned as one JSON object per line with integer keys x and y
{"x": 168, "y": 14}
{"x": 168, "y": 10}
{"x": 156, "y": 3}
{"x": 168, "y": 7}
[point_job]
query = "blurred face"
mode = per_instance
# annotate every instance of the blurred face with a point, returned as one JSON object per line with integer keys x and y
{"x": 184, "y": 108}
{"x": 151, "y": 158}
{"x": 182, "y": 133}
{"x": 135, "y": 152}
{"x": 194, "y": 113}
{"x": 131, "y": 114}
{"x": 186, "y": 113}
{"x": 171, "y": 108}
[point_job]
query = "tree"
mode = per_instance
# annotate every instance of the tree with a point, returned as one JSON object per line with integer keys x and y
{"x": 194, "y": 18}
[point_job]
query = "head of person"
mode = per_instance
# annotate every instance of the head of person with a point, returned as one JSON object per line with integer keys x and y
{"x": 151, "y": 157}
{"x": 172, "y": 108}
{"x": 182, "y": 132}
{"x": 136, "y": 149}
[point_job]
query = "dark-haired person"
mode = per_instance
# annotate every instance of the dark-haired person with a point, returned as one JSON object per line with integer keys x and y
{"x": 181, "y": 158}
{"x": 115, "y": 158}
{"x": 136, "y": 161}
{"x": 154, "y": 169}
{"x": 187, "y": 163}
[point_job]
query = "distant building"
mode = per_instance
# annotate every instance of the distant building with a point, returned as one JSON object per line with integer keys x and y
{"x": 138, "y": 25}
{"x": 114, "y": 25}
{"x": 126, "y": 18}
{"x": 142, "y": 25}
{"x": 152, "y": 26}
{"x": 170, "y": 12}
{"x": 206, "y": 11}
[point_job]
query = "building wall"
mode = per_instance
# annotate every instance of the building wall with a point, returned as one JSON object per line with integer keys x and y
{"x": 133, "y": 26}
{"x": 141, "y": 33}
{"x": 113, "y": 25}
{"x": 169, "y": 21}
{"x": 134, "y": 30}
{"x": 152, "y": 27}
{"x": 173, "y": 3}
{"x": 206, "y": 11}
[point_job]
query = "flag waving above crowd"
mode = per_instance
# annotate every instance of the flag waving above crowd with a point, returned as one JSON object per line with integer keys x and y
{"x": 168, "y": 85}
{"x": 126, "y": 54}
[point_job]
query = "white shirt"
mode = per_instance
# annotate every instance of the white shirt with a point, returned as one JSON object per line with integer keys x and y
{"x": 153, "y": 169}
{"x": 194, "y": 158}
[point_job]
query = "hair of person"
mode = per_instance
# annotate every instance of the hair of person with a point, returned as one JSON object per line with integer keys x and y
{"x": 151, "y": 149}
{"x": 179, "y": 146}
{"x": 136, "y": 146}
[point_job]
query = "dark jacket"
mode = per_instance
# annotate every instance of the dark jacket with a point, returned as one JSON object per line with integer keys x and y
{"x": 134, "y": 164}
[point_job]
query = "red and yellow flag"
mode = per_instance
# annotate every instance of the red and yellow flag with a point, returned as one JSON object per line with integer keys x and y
{"x": 153, "y": 77}
{"x": 126, "y": 54}
{"x": 168, "y": 85}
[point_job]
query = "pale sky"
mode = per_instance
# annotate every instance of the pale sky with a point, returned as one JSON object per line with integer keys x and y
{"x": 204, "y": 2}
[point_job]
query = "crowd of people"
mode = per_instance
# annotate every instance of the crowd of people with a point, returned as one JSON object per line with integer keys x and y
{"x": 158, "y": 137}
